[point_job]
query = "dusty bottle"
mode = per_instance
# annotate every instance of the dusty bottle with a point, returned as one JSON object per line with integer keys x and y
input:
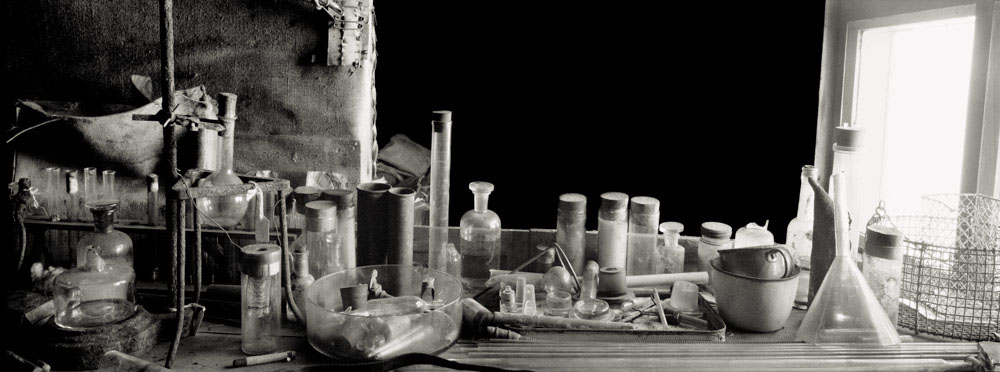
{"x": 714, "y": 236}
{"x": 114, "y": 247}
{"x": 261, "y": 298}
{"x": 612, "y": 230}
{"x": 571, "y": 231}
{"x": 643, "y": 220}
{"x": 799, "y": 235}
{"x": 848, "y": 157}
{"x": 479, "y": 231}
{"x": 320, "y": 239}
{"x": 672, "y": 254}
{"x": 346, "y": 201}
{"x": 883, "y": 267}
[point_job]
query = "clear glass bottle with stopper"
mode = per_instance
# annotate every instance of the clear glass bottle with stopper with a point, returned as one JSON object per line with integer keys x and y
{"x": 673, "y": 254}
{"x": 113, "y": 246}
{"x": 321, "y": 239}
{"x": 94, "y": 294}
{"x": 261, "y": 298}
{"x": 226, "y": 210}
{"x": 479, "y": 231}
{"x": 799, "y": 235}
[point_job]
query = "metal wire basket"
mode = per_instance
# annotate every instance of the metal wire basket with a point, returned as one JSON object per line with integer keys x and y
{"x": 951, "y": 268}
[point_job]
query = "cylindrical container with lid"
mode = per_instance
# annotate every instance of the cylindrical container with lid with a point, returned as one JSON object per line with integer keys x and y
{"x": 320, "y": 239}
{"x": 612, "y": 230}
{"x": 848, "y": 157}
{"x": 399, "y": 234}
{"x": 346, "y": 201}
{"x": 260, "y": 284}
{"x": 571, "y": 227}
{"x": 883, "y": 267}
{"x": 714, "y": 236}
{"x": 671, "y": 253}
{"x": 643, "y": 220}
{"x": 297, "y": 213}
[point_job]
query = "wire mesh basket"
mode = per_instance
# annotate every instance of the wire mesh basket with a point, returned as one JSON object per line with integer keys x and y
{"x": 951, "y": 268}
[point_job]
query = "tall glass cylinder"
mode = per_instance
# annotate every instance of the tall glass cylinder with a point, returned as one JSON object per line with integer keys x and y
{"x": 226, "y": 210}
{"x": 612, "y": 230}
{"x": 440, "y": 186}
{"x": 571, "y": 227}
{"x": 479, "y": 232}
{"x": 346, "y": 201}
{"x": 643, "y": 220}
{"x": 54, "y": 194}
{"x": 89, "y": 193}
{"x": 261, "y": 298}
{"x": 848, "y": 157}
{"x": 109, "y": 191}
{"x": 320, "y": 239}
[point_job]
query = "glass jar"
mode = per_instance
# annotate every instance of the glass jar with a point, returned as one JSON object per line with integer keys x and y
{"x": 714, "y": 236}
{"x": 114, "y": 247}
{"x": 320, "y": 239}
{"x": 643, "y": 220}
{"x": 753, "y": 235}
{"x": 225, "y": 210}
{"x": 612, "y": 230}
{"x": 479, "y": 232}
{"x": 672, "y": 254}
{"x": 883, "y": 267}
{"x": 260, "y": 298}
{"x": 301, "y": 279}
{"x": 571, "y": 229}
{"x": 94, "y": 294}
{"x": 346, "y": 201}
{"x": 302, "y": 196}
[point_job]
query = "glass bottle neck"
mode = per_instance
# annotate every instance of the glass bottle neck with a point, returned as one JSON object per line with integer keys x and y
{"x": 481, "y": 202}
{"x": 225, "y": 153}
{"x": 104, "y": 221}
{"x": 806, "y": 198}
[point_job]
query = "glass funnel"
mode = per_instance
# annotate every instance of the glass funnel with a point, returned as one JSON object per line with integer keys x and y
{"x": 94, "y": 294}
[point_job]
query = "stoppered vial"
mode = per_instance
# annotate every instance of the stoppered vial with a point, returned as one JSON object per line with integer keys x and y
{"x": 612, "y": 230}
{"x": 643, "y": 220}
{"x": 672, "y": 254}
{"x": 571, "y": 227}
{"x": 347, "y": 202}
{"x": 261, "y": 298}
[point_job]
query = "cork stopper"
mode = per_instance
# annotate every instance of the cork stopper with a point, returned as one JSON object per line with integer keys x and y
{"x": 321, "y": 209}
{"x": 671, "y": 227}
{"x": 848, "y": 138}
{"x": 572, "y": 203}
{"x": 716, "y": 230}
{"x": 260, "y": 260}
{"x": 614, "y": 201}
{"x": 227, "y": 105}
{"x": 343, "y": 198}
{"x": 305, "y": 194}
{"x": 441, "y": 116}
{"x": 644, "y": 205}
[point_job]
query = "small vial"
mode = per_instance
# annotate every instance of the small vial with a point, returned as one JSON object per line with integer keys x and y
{"x": 73, "y": 200}
{"x": 529, "y": 307}
{"x": 90, "y": 193}
{"x": 571, "y": 230}
{"x": 643, "y": 218}
{"x": 507, "y": 303}
{"x": 108, "y": 192}
{"x": 588, "y": 287}
{"x": 612, "y": 230}
{"x": 521, "y": 283}
{"x": 672, "y": 254}
{"x": 152, "y": 199}
{"x": 261, "y": 298}
{"x": 53, "y": 194}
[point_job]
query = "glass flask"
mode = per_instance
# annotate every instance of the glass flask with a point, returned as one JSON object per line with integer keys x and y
{"x": 114, "y": 247}
{"x": 571, "y": 231}
{"x": 260, "y": 298}
{"x": 94, "y": 294}
{"x": 612, "y": 230}
{"x": 672, "y": 255}
{"x": 799, "y": 234}
{"x": 226, "y": 210}
{"x": 643, "y": 220}
{"x": 753, "y": 235}
{"x": 320, "y": 239}
{"x": 479, "y": 232}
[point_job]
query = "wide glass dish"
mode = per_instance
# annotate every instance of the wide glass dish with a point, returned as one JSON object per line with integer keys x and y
{"x": 359, "y": 336}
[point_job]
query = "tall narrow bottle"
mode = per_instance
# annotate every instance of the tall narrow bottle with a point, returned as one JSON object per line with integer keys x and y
{"x": 226, "y": 210}
{"x": 612, "y": 230}
{"x": 320, "y": 239}
{"x": 440, "y": 186}
{"x": 848, "y": 157}
{"x": 799, "y": 235}
{"x": 480, "y": 238}
{"x": 643, "y": 220}
{"x": 571, "y": 231}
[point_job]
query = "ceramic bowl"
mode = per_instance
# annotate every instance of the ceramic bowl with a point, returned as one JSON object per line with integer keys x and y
{"x": 753, "y": 304}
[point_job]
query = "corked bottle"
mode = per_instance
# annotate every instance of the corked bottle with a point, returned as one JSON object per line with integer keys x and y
{"x": 612, "y": 230}
{"x": 346, "y": 201}
{"x": 571, "y": 231}
{"x": 643, "y": 219}
{"x": 883, "y": 267}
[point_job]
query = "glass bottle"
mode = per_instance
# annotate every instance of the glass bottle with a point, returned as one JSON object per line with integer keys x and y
{"x": 849, "y": 158}
{"x": 94, "y": 294}
{"x": 226, "y": 210}
{"x": 672, "y": 254}
{"x": 571, "y": 227}
{"x": 479, "y": 232}
{"x": 753, "y": 235}
{"x": 612, "y": 230}
{"x": 114, "y": 247}
{"x": 883, "y": 267}
{"x": 302, "y": 196}
{"x": 643, "y": 220}
{"x": 799, "y": 235}
{"x": 261, "y": 298}
{"x": 714, "y": 236}
{"x": 320, "y": 239}
{"x": 346, "y": 201}
{"x": 301, "y": 279}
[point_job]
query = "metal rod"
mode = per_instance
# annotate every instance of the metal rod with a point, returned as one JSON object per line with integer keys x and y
{"x": 568, "y": 264}
{"x": 659, "y": 307}
{"x": 286, "y": 265}
{"x": 197, "y": 254}
{"x": 179, "y": 275}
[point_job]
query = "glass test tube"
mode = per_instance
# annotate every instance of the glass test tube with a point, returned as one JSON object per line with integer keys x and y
{"x": 54, "y": 194}
{"x": 108, "y": 188}
{"x": 440, "y": 186}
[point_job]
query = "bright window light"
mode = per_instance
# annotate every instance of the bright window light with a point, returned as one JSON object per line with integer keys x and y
{"x": 912, "y": 96}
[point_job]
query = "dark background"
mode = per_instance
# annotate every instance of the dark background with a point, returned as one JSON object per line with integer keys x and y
{"x": 708, "y": 106}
